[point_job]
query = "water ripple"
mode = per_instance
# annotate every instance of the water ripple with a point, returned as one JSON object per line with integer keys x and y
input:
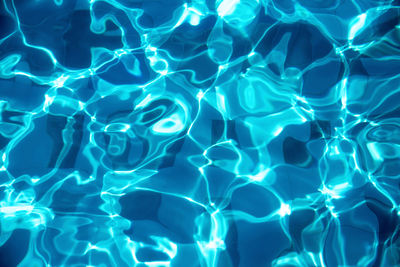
{"x": 199, "y": 133}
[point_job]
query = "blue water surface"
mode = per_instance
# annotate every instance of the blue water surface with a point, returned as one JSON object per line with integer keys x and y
{"x": 199, "y": 133}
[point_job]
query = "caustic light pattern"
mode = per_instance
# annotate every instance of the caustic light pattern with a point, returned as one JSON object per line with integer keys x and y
{"x": 199, "y": 133}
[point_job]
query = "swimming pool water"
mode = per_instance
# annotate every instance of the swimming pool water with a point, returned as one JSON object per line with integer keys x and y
{"x": 199, "y": 133}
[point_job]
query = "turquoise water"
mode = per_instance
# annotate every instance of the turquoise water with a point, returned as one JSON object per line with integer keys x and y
{"x": 199, "y": 133}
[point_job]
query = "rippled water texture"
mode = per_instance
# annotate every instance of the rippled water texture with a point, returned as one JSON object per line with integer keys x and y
{"x": 199, "y": 133}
